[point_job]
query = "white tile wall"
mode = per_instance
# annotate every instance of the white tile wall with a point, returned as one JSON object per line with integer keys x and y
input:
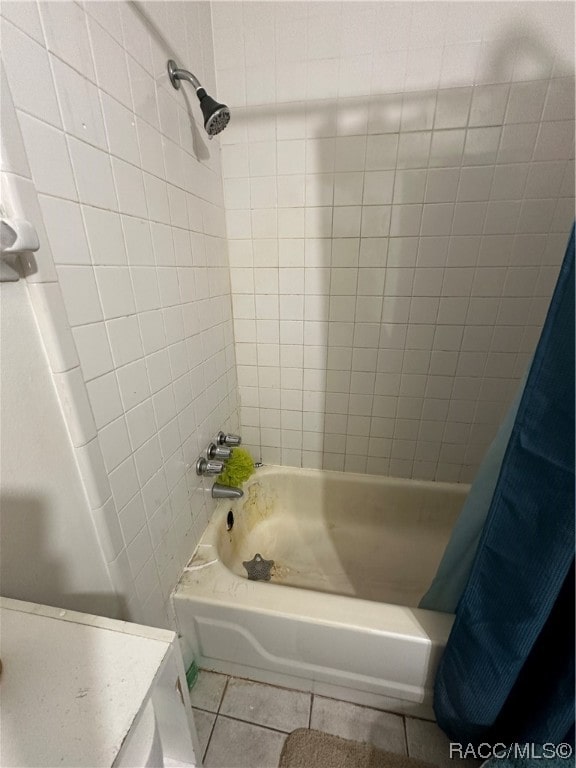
{"x": 399, "y": 186}
{"x": 131, "y": 285}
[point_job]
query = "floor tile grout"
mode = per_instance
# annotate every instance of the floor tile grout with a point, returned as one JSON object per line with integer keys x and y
{"x": 367, "y": 706}
{"x": 256, "y": 725}
{"x": 259, "y": 682}
{"x": 215, "y": 719}
{"x": 203, "y": 709}
{"x": 404, "y": 725}
{"x": 209, "y": 738}
{"x": 228, "y": 678}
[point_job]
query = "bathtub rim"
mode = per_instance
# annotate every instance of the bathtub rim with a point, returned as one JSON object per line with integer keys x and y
{"x": 359, "y": 477}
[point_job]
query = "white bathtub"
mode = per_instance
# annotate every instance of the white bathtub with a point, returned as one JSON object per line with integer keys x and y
{"x": 353, "y": 555}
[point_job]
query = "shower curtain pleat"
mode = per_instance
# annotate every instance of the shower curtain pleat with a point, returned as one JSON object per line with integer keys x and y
{"x": 507, "y": 673}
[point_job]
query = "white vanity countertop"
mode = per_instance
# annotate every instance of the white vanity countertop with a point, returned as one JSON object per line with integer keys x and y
{"x": 71, "y": 684}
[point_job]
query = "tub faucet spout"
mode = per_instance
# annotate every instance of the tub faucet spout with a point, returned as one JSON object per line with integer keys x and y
{"x": 220, "y": 491}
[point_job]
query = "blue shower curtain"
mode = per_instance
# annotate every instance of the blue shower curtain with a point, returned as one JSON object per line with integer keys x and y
{"x": 456, "y": 564}
{"x": 507, "y": 673}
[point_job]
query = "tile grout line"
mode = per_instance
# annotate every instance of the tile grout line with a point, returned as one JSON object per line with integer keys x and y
{"x": 205, "y": 752}
{"x": 202, "y": 709}
{"x": 224, "y": 690}
{"x": 253, "y": 724}
{"x": 406, "y": 735}
{"x": 215, "y": 719}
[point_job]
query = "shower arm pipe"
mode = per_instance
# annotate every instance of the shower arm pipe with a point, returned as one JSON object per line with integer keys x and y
{"x": 176, "y": 74}
{"x": 216, "y": 115}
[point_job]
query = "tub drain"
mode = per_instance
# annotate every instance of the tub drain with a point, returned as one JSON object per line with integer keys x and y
{"x": 258, "y": 569}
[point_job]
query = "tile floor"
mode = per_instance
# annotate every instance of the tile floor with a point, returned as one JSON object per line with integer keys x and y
{"x": 242, "y": 724}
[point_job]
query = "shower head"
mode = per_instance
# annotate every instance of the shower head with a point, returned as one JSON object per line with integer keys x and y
{"x": 216, "y": 115}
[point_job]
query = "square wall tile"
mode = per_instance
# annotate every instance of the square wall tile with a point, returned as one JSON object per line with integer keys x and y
{"x": 21, "y": 54}
{"x": 48, "y": 158}
{"x": 80, "y": 294}
{"x": 93, "y": 174}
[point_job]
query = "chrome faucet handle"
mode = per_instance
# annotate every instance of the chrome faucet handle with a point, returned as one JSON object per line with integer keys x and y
{"x": 218, "y": 452}
{"x": 230, "y": 440}
{"x": 205, "y": 467}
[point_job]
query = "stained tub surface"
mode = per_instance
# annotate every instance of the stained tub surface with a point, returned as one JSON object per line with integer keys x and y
{"x": 352, "y": 556}
{"x": 358, "y": 535}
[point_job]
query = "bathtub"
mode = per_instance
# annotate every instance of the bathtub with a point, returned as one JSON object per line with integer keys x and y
{"x": 352, "y": 556}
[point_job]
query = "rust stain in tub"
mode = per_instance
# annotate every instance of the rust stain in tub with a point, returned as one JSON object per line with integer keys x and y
{"x": 258, "y": 505}
{"x": 280, "y": 572}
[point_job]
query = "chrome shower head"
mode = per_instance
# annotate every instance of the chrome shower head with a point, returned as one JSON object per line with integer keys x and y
{"x": 216, "y": 115}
